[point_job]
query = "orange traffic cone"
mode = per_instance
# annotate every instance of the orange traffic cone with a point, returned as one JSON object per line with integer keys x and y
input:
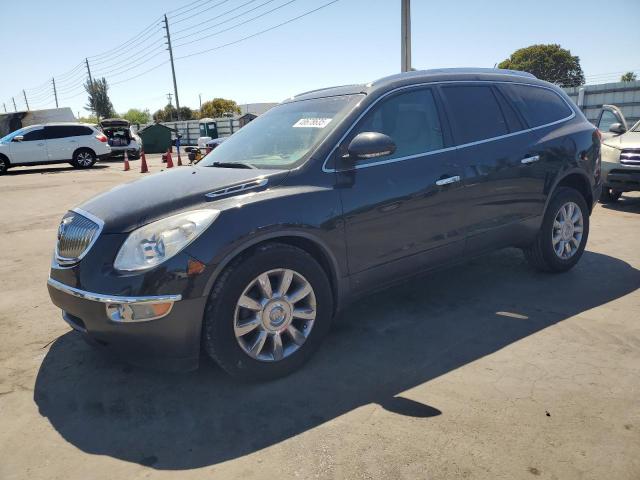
{"x": 143, "y": 163}
{"x": 126, "y": 162}
{"x": 169, "y": 159}
{"x": 179, "y": 159}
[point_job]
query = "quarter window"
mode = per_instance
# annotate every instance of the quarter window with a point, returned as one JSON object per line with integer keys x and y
{"x": 539, "y": 106}
{"x": 476, "y": 113}
{"x": 410, "y": 119}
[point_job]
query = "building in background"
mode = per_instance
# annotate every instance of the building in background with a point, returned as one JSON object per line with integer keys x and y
{"x": 591, "y": 98}
{"x": 10, "y": 122}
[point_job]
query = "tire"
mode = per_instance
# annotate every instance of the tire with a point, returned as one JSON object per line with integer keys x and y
{"x": 226, "y": 318}
{"x": 4, "y": 165}
{"x": 542, "y": 254}
{"x": 83, "y": 158}
{"x": 609, "y": 195}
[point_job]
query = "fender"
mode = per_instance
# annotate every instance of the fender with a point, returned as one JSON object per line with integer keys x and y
{"x": 337, "y": 278}
{"x": 560, "y": 177}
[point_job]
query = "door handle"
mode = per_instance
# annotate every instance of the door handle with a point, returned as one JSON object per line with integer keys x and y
{"x": 41, "y": 144}
{"x": 532, "y": 159}
{"x": 448, "y": 180}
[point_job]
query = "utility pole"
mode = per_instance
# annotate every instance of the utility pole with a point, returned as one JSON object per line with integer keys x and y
{"x": 5, "y": 107}
{"x": 173, "y": 68}
{"x": 55, "y": 93}
{"x": 25, "y": 99}
{"x": 169, "y": 98}
{"x": 200, "y": 100}
{"x": 14, "y": 104}
{"x": 406, "y": 35}
{"x": 92, "y": 90}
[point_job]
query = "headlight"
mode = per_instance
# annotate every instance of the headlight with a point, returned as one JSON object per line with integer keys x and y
{"x": 157, "y": 242}
{"x": 609, "y": 154}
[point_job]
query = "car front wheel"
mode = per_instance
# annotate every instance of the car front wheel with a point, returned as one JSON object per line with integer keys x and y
{"x": 83, "y": 159}
{"x": 563, "y": 236}
{"x": 268, "y": 313}
{"x": 4, "y": 165}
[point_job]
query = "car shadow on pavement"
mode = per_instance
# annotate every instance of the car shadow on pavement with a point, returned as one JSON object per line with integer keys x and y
{"x": 625, "y": 204}
{"x": 385, "y": 344}
{"x": 49, "y": 170}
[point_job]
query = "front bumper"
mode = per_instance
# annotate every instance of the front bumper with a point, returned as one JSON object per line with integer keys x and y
{"x": 621, "y": 177}
{"x": 171, "y": 342}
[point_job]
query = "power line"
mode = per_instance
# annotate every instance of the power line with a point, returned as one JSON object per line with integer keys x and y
{"x": 258, "y": 33}
{"x": 215, "y": 17}
{"x": 199, "y": 12}
{"x": 151, "y": 38}
{"x": 220, "y": 23}
{"x": 128, "y": 42}
{"x": 234, "y": 26}
{"x": 135, "y": 60}
{"x": 141, "y": 74}
{"x": 185, "y": 6}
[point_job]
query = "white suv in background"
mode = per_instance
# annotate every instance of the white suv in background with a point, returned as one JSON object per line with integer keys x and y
{"x": 77, "y": 143}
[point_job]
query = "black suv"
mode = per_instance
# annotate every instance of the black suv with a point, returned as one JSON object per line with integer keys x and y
{"x": 331, "y": 194}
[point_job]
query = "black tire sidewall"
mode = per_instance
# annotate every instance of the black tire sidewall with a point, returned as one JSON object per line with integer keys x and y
{"x": 563, "y": 196}
{"x": 4, "y": 165}
{"x": 218, "y": 335}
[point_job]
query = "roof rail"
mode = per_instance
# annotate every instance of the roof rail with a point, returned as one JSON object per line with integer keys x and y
{"x": 499, "y": 71}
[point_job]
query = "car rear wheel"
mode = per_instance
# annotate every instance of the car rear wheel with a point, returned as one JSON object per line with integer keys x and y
{"x": 563, "y": 236}
{"x": 610, "y": 195}
{"x": 84, "y": 158}
{"x": 268, "y": 313}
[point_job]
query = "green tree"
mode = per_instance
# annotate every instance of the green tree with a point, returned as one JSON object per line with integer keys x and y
{"x": 98, "y": 101}
{"x": 170, "y": 114}
{"x": 92, "y": 119}
{"x": 186, "y": 114}
{"x": 219, "y": 107}
{"x": 134, "y": 115}
{"x": 628, "y": 77}
{"x": 547, "y": 62}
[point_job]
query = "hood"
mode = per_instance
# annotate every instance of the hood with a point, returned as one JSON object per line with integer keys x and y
{"x": 129, "y": 206}
{"x": 626, "y": 140}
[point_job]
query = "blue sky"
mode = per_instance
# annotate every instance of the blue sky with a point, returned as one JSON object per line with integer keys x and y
{"x": 350, "y": 41}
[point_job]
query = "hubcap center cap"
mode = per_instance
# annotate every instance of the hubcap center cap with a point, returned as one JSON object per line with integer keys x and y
{"x": 276, "y": 315}
{"x": 567, "y": 231}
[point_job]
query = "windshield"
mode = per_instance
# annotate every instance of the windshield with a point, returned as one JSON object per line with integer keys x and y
{"x": 12, "y": 135}
{"x": 285, "y": 135}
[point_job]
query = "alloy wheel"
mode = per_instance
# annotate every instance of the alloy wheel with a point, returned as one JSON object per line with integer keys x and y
{"x": 84, "y": 159}
{"x": 568, "y": 227}
{"x": 274, "y": 315}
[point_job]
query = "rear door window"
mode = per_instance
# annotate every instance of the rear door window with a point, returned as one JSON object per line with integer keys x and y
{"x": 476, "y": 113}
{"x": 64, "y": 131}
{"x": 410, "y": 119}
{"x": 538, "y": 105}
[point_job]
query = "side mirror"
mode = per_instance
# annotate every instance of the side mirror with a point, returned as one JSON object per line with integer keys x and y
{"x": 617, "y": 128}
{"x": 18, "y": 138}
{"x": 371, "y": 145}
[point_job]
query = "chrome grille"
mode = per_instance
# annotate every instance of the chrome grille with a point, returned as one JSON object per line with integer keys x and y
{"x": 630, "y": 156}
{"x": 76, "y": 234}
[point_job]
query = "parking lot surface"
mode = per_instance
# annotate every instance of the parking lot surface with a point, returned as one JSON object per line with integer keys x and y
{"x": 486, "y": 370}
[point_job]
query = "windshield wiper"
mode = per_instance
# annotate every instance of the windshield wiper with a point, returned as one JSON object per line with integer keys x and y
{"x": 231, "y": 165}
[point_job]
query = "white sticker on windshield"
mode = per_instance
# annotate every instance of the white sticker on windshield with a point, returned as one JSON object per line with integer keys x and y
{"x": 312, "y": 123}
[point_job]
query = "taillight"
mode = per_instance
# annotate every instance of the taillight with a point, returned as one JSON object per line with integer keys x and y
{"x": 102, "y": 137}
